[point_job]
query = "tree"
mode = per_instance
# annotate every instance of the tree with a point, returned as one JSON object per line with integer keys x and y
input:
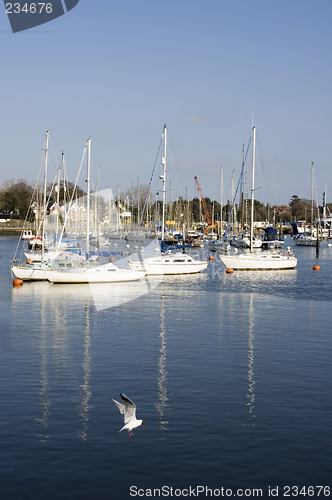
{"x": 300, "y": 207}
{"x": 16, "y": 198}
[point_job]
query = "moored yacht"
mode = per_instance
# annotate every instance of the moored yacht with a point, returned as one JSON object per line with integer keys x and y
{"x": 168, "y": 263}
{"x": 257, "y": 261}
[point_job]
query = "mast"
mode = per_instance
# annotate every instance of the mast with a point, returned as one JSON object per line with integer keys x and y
{"x": 324, "y": 204}
{"x": 170, "y": 200}
{"x": 88, "y": 199}
{"x": 58, "y": 201}
{"x": 45, "y": 201}
{"x": 96, "y": 217}
{"x": 252, "y": 186}
{"x": 138, "y": 207}
{"x": 242, "y": 183}
{"x": 232, "y": 197}
{"x": 221, "y": 195}
{"x": 163, "y": 177}
{"x": 312, "y": 193}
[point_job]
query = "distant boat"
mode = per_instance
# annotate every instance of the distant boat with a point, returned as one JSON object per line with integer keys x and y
{"x": 170, "y": 263}
{"x": 140, "y": 236}
{"x": 243, "y": 241}
{"x": 257, "y": 261}
{"x": 27, "y": 234}
{"x": 262, "y": 261}
{"x": 215, "y": 245}
{"x": 306, "y": 240}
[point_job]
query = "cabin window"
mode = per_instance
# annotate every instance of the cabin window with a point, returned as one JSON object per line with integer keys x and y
{"x": 179, "y": 260}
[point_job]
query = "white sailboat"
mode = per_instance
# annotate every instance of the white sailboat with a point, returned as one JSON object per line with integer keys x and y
{"x": 35, "y": 266}
{"x": 106, "y": 273}
{"x": 257, "y": 261}
{"x": 168, "y": 262}
{"x": 43, "y": 259}
{"x": 308, "y": 238}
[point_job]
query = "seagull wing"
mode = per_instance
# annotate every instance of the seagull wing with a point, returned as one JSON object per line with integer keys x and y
{"x": 120, "y": 406}
{"x": 129, "y": 409}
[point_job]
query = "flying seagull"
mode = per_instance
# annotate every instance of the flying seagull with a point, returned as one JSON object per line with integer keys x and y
{"x": 128, "y": 410}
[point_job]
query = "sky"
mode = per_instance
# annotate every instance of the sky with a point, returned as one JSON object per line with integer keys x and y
{"x": 117, "y": 71}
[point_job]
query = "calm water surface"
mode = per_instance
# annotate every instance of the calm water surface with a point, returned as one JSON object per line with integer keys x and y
{"x": 231, "y": 372}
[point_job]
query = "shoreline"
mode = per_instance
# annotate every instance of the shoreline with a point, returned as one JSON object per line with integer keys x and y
{"x": 10, "y": 231}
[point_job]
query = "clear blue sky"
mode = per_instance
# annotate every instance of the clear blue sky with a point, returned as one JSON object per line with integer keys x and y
{"x": 118, "y": 70}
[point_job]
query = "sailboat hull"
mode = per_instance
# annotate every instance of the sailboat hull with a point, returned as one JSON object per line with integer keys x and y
{"x": 170, "y": 264}
{"x": 100, "y": 274}
{"x": 27, "y": 273}
{"x": 258, "y": 262}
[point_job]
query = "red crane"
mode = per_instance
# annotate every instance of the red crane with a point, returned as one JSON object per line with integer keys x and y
{"x": 207, "y": 215}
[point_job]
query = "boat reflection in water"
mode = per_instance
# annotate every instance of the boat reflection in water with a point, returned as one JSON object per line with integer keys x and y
{"x": 60, "y": 363}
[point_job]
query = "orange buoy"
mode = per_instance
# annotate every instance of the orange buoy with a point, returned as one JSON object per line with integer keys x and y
{"x": 211, "y": 257}
{"x": 316, "y": 268}
{"x": 112, "y": 259}
{"x": 18, "y": 282}
{"x": 29, "y": 261}
{"x": 229, "y": 271}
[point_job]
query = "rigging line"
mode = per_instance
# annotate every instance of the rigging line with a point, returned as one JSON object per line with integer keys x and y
{"x": 315, "y": 189}
{"x": 94, "y": 156}
{"x": 72, "y": 196}
{"x": 31, "y": 203}
{"x": 54, "y": 152}
{"x": 149, "y": 188}
{"x": 177, "y": 170}
{"x": 47, "y": 201}
{"x": 264, "y": 172}
{"x": 237, "y": 188}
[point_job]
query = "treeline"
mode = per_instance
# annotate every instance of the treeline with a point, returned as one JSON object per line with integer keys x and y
{"x": 19, "y": 198}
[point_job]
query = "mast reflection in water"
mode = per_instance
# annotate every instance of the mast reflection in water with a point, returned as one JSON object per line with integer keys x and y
{"x": 86, "y": 365}
{"x": 251, "y": 336}
{"x": 162, "y": 391}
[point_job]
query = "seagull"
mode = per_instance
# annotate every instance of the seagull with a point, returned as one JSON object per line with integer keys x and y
{"x": 128, "y": 410}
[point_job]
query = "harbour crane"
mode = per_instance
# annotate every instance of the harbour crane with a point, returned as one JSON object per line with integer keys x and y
{"x": 206, "y": 212}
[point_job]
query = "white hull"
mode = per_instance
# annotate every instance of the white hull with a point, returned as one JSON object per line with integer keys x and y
{"x": 39, "y": 256}
{"x": 245, "y": 242}
{"x": 306, "y": 241}
{"x": 170, "y": 264}
{"x": 27, "y": 273}
{"x": 27, "y": 235}
{"x": 258, "y": 262}
{"x": 107, "y": 273}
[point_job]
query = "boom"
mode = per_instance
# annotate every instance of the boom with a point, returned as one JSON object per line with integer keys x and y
{"x": 207, "y": 215}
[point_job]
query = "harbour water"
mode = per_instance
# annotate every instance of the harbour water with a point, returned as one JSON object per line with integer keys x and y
{"x": 232, "y": 374}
